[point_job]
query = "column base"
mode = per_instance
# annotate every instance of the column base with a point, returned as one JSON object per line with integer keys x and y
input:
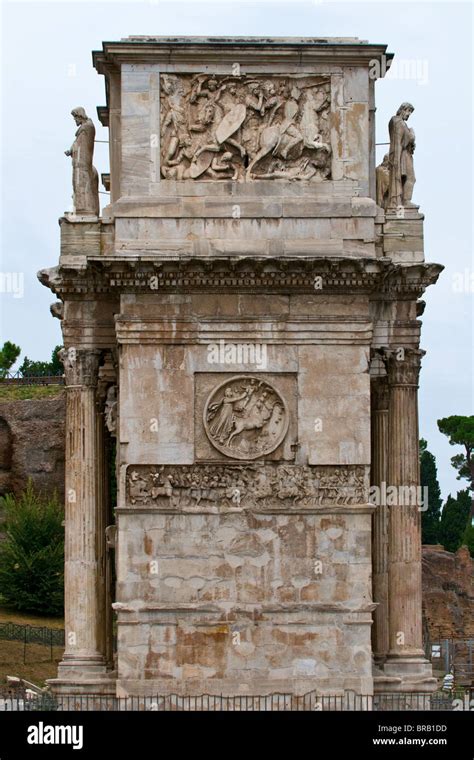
{"x": 85, "y": 694}
{"x": 85, "y": 677}
{"x": 406, "y": 673}
{"x": 78, "y": 668}
{"x": 378, "y": 661}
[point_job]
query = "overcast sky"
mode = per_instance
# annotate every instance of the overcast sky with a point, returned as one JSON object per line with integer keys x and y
{"x": 47, "y": 70}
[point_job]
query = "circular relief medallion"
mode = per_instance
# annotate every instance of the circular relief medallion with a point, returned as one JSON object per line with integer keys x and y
{"x": 245, "y": 417}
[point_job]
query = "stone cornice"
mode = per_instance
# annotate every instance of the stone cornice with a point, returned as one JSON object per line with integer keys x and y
{"x": 245, "y": 274}
{"x": 246, "y": 50}
{"x": 103, "y": 115}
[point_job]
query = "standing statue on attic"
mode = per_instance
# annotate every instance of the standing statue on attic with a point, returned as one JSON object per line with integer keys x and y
{"x": 85, "y": 180}
{"x": 402, "y": 147}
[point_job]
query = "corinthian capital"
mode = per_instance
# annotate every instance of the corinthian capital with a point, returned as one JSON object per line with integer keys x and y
{"x": 402, "y": 365}
{"x": 81, "y": 365}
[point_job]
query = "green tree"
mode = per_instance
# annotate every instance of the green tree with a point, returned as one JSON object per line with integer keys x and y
{"x": 429, "y": 479}
{"x": 468, "y": 537}
{"x": 460, "y": 431}
{"x": 56, "y": 363}
{"x": 9, "y": 353}
{"x": 454, "y": 518}
{"x": 53, "y": 367}
{"x": 32, "y": 553}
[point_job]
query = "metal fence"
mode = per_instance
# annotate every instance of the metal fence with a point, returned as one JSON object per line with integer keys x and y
{"x": 347, "y": 702}
{"x": 31, "y": 378}
{"x": 454, "y": 655}
{"x": 32, "y": 634}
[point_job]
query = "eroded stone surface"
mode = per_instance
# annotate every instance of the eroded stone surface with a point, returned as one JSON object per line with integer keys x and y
{"x": 243, "y": 215}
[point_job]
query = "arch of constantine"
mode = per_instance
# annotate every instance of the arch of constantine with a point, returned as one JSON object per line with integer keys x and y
{"x": 242, "y": 354}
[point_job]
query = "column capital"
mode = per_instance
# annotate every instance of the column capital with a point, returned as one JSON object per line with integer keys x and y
{"x": 402, "y": 365}
{"x": 81, "y": 365}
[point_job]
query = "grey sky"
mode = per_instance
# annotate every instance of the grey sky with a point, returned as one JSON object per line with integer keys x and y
{"x": 47, "y": 70}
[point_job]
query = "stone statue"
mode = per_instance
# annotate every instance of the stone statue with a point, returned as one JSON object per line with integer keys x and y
{"x": 111, "y": 536}
{"x": 382, "y": 180}
{"x": 110, "y": 412}
{"x": 244, "y": 128}
{"x": 402, "y": 146}
{"x": 85, "y": 180}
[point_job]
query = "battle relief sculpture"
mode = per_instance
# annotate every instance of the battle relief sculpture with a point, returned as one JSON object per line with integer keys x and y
{"x": 85, "y": 180}
{"x": 245, "y": 418}
{"x": 395, "y": 176}
{"x": 245, "y": 127}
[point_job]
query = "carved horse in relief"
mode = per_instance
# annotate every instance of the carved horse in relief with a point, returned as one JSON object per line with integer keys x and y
{"x": 254, "y": 419}
{"x": 281, "y": 139}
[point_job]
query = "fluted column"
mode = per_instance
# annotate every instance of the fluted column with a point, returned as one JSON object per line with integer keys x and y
{"x": 406, "y": 656}
{"x": 101, "y": 524}
{"x": 379, "y": 438}
{"x": 84, "y": 550}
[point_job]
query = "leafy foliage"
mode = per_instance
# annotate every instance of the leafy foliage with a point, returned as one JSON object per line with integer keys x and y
{"x": 32, "y": 554}
{"x": 9, "y": 353}
{"x": 460, "y": 431}
{"x": 454, "y": 518}
{"x": 429, "y": 478}
{"x": 53, "y": 367}
{"x": 468, "y": 537}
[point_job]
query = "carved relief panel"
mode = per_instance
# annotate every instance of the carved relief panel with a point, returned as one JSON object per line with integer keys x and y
{"x": 245, "y": 416}
{"x": 216, "y": 127}
{"x": 261, "y": 486}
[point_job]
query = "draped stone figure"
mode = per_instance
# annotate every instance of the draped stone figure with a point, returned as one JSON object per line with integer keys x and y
{"x": 402, "y": 147}
{"x": 382, "y": 179}
{"x": 110, "y": 411}
{"x": 85, "y": 180}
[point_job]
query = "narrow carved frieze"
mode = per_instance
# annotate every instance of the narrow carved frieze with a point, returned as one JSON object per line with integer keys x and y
{"x": 247, "y": 486}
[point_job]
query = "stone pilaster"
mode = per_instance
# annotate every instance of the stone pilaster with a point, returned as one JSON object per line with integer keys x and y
{"x": 379, "y": 438}
{"x": 102, "y": 521}
{"x": 84, "y": 552}
{"x": 405, "y": 659}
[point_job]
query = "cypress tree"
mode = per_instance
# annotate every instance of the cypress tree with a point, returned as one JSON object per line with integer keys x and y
{"x": 429, "y": 479}
{"x": 468, "y": 537}
{"x": 454, "y": 518}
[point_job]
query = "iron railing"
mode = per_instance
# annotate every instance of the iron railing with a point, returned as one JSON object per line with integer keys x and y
{"x": 32, "y": 634}
{"x": 347, "y": 702}
{"x": 32, "y": 378}
{"x": 454, "y": 654}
